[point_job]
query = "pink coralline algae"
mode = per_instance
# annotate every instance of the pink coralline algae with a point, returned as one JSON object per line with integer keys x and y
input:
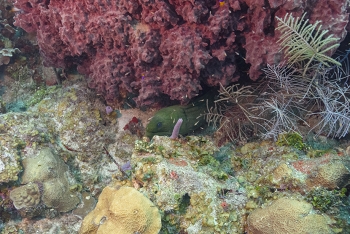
{"x": 153, "y": 49}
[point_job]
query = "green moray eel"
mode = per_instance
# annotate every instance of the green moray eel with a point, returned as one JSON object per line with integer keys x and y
{"x": 162, "y": 123}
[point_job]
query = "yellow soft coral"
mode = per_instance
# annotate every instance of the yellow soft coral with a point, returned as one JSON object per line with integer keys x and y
{"x": 122, "y": 211}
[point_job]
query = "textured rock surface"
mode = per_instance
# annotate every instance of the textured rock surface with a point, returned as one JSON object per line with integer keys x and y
{"x": 196, "y": 188}
{"x": 189, "y": 185}
{"x": 16, "y": 129}
{"x": 165, "y": 47}
{"x": 124, "y": 210}
{"x": 72, "y": 122}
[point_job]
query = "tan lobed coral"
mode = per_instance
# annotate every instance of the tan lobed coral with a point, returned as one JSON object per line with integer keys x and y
{"x": 287, "y": 216}
{"x": 48, "y": 169}
{"x": 124, "y": 209}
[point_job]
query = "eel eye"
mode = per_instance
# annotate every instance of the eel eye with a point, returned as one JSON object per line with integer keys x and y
{"x": 159, "y": 124}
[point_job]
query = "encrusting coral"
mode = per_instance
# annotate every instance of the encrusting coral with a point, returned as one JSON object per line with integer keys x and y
{"x": 331, "y": 175}
{"x": 124, "y": 210}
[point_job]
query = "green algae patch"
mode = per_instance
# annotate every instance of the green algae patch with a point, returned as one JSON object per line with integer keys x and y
{"x": 40, "y": 94}
{"x": 324, "y": 200}
{"x": 292, "y": 139}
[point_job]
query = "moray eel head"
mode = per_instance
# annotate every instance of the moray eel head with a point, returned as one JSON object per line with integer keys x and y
{"x": 162, "y": 122}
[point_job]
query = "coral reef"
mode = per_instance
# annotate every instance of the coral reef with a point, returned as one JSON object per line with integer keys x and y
{"x": 326, "y": 200}
{"x": 192, "y": 183}
{"x": 64, "y": 224}
{"x": 196, "y": 186}
{"x": 174, "y": 47}
{"x": 123, "y": 209}
{"x": 72, "y": 123}
{"x": 7, "y": 33}
{"x": 287, "y": 216}
{"x": 331, "y": 174}
{"x": 10, "y": 165}
{"x": 292, "y": 172}
{"x": 20, "y": 131}
{"x": 45, "y": 180}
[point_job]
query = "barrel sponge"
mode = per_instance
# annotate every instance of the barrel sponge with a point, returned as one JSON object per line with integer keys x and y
{"x": 287, "y": 216}
{"x": 124, "y": 209}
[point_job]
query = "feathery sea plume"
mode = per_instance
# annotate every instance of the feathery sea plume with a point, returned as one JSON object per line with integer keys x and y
{"x": 230, "y": 114}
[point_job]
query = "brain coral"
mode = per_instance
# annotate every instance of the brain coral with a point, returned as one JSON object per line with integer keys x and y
{"x": 151, "y": 48}
{"x": 287, "y": 216}
{"x": 331, "y": 175}
{"x": 124, "y": 209}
